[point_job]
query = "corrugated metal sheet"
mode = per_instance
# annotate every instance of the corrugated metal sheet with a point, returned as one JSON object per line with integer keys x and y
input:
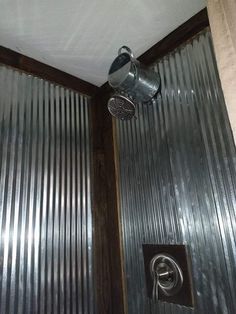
{"x": 177, "y": 167}
{"x": 45, "y": 210}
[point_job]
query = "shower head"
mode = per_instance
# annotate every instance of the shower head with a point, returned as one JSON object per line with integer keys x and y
{"x": 121, "y": 107}
{"x": 132, "y": 81}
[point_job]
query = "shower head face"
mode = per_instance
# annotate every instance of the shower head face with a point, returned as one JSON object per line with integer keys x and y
{"x": 121, "y": 107}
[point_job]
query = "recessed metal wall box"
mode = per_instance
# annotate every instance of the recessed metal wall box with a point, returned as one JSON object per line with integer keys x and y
{"x": 175, "y": 286}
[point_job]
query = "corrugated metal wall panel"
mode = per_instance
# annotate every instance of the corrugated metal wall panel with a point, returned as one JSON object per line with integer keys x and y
{"x": 45, "y": 202}
{"x": 177, "y": 166}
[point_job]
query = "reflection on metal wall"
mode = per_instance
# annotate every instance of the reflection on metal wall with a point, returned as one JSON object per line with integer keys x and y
{"x": 45, "y": 211}
{"x": 178, "y": 181}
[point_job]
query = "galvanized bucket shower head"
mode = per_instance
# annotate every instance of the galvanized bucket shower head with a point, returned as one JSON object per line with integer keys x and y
{"x": 132, "y": 82}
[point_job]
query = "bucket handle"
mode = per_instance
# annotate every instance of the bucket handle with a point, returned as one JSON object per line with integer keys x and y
{"x": 130, "y": 52}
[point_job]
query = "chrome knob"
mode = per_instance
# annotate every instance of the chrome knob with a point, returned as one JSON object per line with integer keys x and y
{"x": 166, "y": 274}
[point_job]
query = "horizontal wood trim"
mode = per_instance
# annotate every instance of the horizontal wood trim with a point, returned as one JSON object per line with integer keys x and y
{"x": 176, "y": 38}
{"x": 34, "y": 67}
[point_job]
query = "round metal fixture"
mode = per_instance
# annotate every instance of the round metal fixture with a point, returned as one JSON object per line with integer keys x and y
{"x": 167, "y": 275}
{"x": 132, "y": 81}
{"x": 121, "y": 107}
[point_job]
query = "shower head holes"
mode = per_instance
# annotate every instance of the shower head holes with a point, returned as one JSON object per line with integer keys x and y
{"x": 121, "y": 107}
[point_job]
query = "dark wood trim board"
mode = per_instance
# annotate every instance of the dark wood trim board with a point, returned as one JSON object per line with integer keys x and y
{"x": 42, "y": 70}
{"x": 176, "y": 38}
{"x": 106, "y": 238}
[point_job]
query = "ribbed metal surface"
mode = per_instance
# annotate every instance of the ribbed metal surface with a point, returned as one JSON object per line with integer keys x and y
{"x": 45, "y": 210}
{"x": 177, "y": 166}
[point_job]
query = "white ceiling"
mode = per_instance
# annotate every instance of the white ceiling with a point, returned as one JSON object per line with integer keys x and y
{"x": 82, "y": 37}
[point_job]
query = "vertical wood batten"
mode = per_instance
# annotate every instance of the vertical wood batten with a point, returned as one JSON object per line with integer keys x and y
{"x": 107, "y": 251}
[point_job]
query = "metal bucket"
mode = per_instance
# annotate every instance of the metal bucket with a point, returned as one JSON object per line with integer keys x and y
{"x": 128, "y": 75}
